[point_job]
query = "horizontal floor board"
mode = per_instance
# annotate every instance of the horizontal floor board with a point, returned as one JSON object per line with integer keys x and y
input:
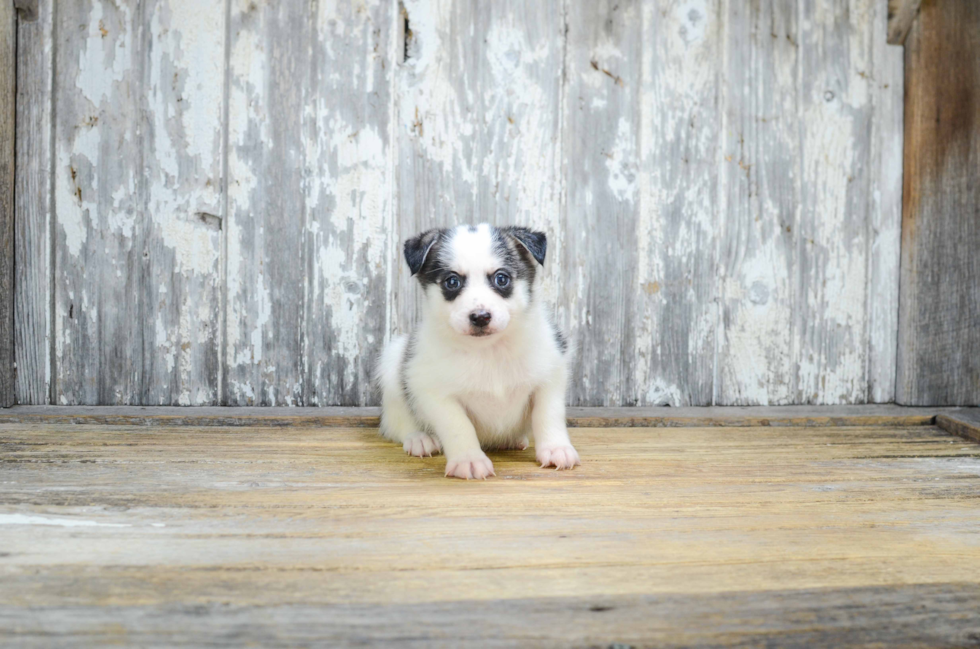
{"x": 926, "y": 615}
{"x": 170, "y": 536}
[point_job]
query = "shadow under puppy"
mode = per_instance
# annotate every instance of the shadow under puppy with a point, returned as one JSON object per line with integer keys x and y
{"x": 485, "y": 367}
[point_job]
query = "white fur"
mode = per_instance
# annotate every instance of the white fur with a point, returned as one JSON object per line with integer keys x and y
{"x": 472, "y": 393}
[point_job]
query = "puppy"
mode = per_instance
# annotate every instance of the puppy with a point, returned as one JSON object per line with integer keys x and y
{"x": 485, "y": 366}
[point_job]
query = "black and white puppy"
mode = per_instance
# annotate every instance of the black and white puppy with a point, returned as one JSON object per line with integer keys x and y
{"x": 485, "y": 366}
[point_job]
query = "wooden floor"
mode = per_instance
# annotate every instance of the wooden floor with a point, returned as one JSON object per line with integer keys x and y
{"x": 295, "y": 536}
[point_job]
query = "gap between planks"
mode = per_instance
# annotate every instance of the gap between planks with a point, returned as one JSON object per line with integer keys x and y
{"x": 964, "y": 422}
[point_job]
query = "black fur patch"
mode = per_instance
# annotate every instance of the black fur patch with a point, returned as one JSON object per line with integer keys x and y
{"x": 419, "y": 248}
{"x": 560, "y": 339}
{"x": 429, "y": 251}
{"x": 407, "y": 356}
{"x": 534, "y": 242}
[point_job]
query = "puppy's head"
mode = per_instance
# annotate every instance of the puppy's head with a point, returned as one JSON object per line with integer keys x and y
{"x": 476, "y": 278}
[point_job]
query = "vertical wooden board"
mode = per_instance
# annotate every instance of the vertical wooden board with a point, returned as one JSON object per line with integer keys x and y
{"x": 8, "y": 114}
{"x": 885, "y": 211}
{"x": 346, "y": 126}
{"x": 939, "y": 314}
{"x": 832, "y": 238}
{"x": 676, "y": 223}
{"x": 98, "y": 190}
{"x": 600, "y": 162}
{"x": 33, "y": 209}
{"x": 478, "y": 125}
{"x": 760, "y": 203}
{"x": 181, "y": 141}
{"x": 269, "y": 113}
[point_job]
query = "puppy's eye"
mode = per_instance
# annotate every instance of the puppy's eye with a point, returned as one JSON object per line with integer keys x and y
{"x": 501, "y": 280}
{"x": 452, "y": 283}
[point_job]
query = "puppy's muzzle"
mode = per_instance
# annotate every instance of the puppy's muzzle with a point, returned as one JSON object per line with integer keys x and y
{"x": 480, "y": 319}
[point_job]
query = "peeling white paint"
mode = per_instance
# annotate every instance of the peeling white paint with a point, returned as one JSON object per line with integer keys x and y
{"x": 97, "y": 74}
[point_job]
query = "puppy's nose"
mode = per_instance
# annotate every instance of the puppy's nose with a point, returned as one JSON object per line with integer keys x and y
{"x": 480, "y": 318}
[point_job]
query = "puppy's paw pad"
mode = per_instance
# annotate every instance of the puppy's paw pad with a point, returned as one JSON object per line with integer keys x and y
{"x": 422, "y": 445}
{"x": 470, "y": 467}
{"x": 560, "y": 457}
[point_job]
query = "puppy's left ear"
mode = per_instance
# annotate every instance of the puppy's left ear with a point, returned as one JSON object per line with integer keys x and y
{"x": 535, "y": 242}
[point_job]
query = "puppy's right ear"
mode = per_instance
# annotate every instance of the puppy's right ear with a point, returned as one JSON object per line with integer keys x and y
{"x": 417, "y": 249}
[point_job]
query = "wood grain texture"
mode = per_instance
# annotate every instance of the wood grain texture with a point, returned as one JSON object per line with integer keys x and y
{"x": 885, "y": 211}
{"x": 675, "y": 202}
{"x": 181, "y": 148}
{"x": 761, "y": 194}
{"x": 807, "y": 288}
{"x": 477, "y": 127}
{"x": 99, "y": 200}
{"x": 8, "y": 115}
{"x": 628, "y": 417}
{"x": 349, "y": 243}
{"x": 827, "y": 537}
{"x": 939, "y": 316}
{"x": 901, "y": 16}
{"x": 33, "y": 268}
{"x": 269, "y": 94}
{"x": 309, "y": 201}
{"x": 600, "y": 166}
{"x": 832, "y": 247}
{"x": 922, "y": 615}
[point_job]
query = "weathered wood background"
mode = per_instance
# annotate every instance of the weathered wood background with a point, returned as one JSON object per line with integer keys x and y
{"x": 211, "y": 194}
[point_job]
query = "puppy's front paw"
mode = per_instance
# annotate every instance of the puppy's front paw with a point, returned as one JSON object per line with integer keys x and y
{"x": 470, "y": 467}
{"x": 421, "y": 445}
{"x": 560, "y": 457}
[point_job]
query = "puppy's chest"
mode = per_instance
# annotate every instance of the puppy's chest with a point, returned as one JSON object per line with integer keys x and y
{"x": 495, "y": 378}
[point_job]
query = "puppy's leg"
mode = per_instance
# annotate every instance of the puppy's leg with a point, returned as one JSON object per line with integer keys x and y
{"x": 552, "y": 446}
{"x": 398, "y": 422}
{"x": 464, "y": 457}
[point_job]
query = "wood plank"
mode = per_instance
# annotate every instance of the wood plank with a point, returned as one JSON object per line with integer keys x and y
{"x": 939, "y": 339}
{"x": 348, "y": 239}
{"x": 885, "y": 210}
{"x": 760, "y": 186}
{"x": 183, "y": 64}
{"x": 269, "y": 100}
{"x": 310, "y": 211}
{"x": 8, "y": 115}
{"x": 725, "y": 416}
{"x": 801, "y": 324}
{"x": 677, "y": 205}
{"x": 832, "y": 246}
{"x": 600, "y": 141}
{"x": 930, "y": 615}
{"x": 34, "y": 208}
{"x": 901, "y": 16}
{"x": 965, "y": 423}
{"x": 478, "y": 128}
{"x": 190, "y": 535}
{"x": 99, "y": 200}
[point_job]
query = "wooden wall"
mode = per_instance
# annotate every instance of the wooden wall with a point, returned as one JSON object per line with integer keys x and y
{"x": 939, "y": 316}
{"x": 212, "y": 193}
